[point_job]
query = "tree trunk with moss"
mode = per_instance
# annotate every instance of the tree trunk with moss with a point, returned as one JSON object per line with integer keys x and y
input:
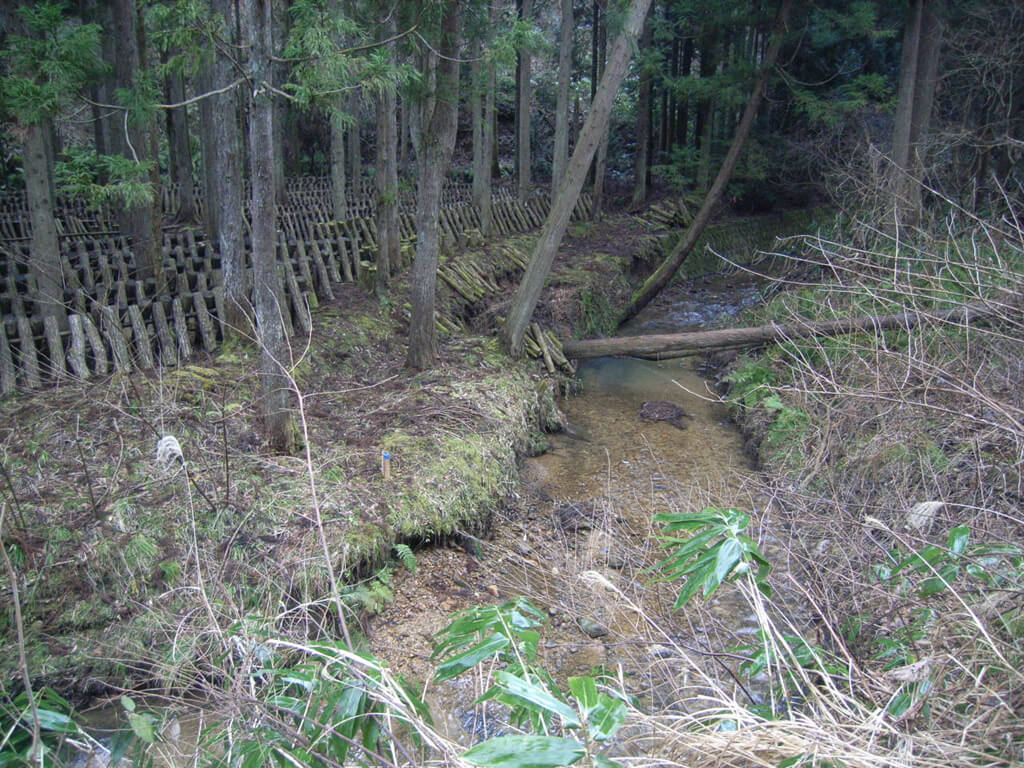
{"x": 44, "y": 269}
{"x": 278, "y": 419}
{"x": 437, "y": 140}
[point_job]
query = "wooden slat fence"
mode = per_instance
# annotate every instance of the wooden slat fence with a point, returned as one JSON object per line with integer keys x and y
{"x": 115, "y": 322}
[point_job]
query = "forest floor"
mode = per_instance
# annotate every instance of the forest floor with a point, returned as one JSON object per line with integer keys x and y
{"x": 891, "y": 461}
{"x": 135, "y": 562}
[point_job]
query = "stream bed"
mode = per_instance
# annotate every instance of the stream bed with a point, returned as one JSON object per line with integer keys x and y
{"x": 580, "y": 539}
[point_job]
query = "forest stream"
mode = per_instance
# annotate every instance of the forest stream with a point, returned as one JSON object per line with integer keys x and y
{"x": 585, "y": 507}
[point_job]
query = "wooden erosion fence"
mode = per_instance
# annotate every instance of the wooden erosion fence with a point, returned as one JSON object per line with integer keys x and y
{"x": 113, "y": 321}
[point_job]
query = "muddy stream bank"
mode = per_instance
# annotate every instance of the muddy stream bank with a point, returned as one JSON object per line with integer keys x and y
{"x": 585, "y": 507}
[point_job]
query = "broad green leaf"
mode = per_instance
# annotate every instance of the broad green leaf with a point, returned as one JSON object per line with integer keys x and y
{"x": 604, "y": 762}
{"x": 932, "y": 586}
{"x": 50, "y": 720}
{"x": 607, "y": 717}
{"x": 728, "y": 556}
{"x": 525, "y": 752}
{"x": 468, "y": 659}
{"x": 142, "y": 727}
{"x": 515, "y": 691}
{"x": 303, "y": 678}
{"x": 585, "y": 691}
{"x": 958, "y": 537}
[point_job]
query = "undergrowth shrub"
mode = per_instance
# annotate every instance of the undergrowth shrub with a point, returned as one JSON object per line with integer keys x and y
{"x": 905, "y": 498}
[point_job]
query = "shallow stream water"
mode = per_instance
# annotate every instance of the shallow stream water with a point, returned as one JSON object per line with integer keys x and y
{"x": 587, "y": 509}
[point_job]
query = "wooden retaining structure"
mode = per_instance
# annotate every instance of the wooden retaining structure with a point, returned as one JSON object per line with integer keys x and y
{"x": 114, "y": 322}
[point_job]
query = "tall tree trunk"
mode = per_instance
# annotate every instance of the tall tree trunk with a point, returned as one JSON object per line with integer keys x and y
{"x": 922, "y": 42}
{"x": 224, "y": 135}
{"x": 208, "y": 154}
{"x": 403, "y": 132}
{"x": 355, "y": 145}
{"x": 141, "y": 222}
{"x": 682, "y": 106}
{"x": 601, "y": 161}
{"x": 179, "y": 148}
{"x": 388, "y": 234}
{"x": 46, "y": 285}
{"x": 387, "y": 189}
{"x": 277, "y": 417}
{"x": 283, "y": 139}
{"x": 561, "y": 149}
{"x": 664, "y": 273}
{"x": 488, "y": 140}
{"x": 525, "y": 155}
{"x": 437, "y": 141}
{"x": 562, "y": 206}
{"x": 481, "y": 154}
{"x": 643, "y": 128}
{"x": 339, "y": 202}
{"x": 102, "y": 88}
{"x": 706, "y": 113}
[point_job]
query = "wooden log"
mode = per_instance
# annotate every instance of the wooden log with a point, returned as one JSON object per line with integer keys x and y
{"x": 143, "y": 350}
{"x": 302, "y": 257}
{"x": 165, "y": 341}
{"x": 323, "y": 279}
{"x": 181, "y": 329}
{"x": 538, "y": 335}
{"x": 55, "y": 347}
{"x": 207, "y": 333}
{"x": 28, "y": 359}
{"x": 110, "y": 325}
{"x": 8, "y": 381}
{"x": 298, "y": 302}
{"x": 346, "y": 263}
{"x": 99, "y": 350}
{"x": 76, "y": 354}
{"x": 672, "y": 344}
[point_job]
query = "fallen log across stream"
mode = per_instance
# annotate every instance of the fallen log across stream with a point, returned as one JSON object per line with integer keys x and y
{"x": 680, "y": 344}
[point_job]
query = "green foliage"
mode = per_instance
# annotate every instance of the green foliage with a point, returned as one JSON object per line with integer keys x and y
{"x": 788, "y": 426}
{"x": 600, "y": 316}
{"x": 934, "y": 569}
{"x": 508, "y": 634}
{"x": 97, "y": 179}
{"x": 371, "y": 595}
{"x": 928, "y": 573}
{"x": 505, "y": 632}
{"x": 50, "y": 64}
{"x": 751, "y": 381}
{"x": 140, "y": 99}
{"x": 56, "y": 724}
{"x": 791, "y": 655}
{"x": 329, "y": 58}
{"x": 866, "y": 90}
{"x": 404, "y": 553}
{"x": 715, "y": 551}
{"x": 337, "y": 702}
